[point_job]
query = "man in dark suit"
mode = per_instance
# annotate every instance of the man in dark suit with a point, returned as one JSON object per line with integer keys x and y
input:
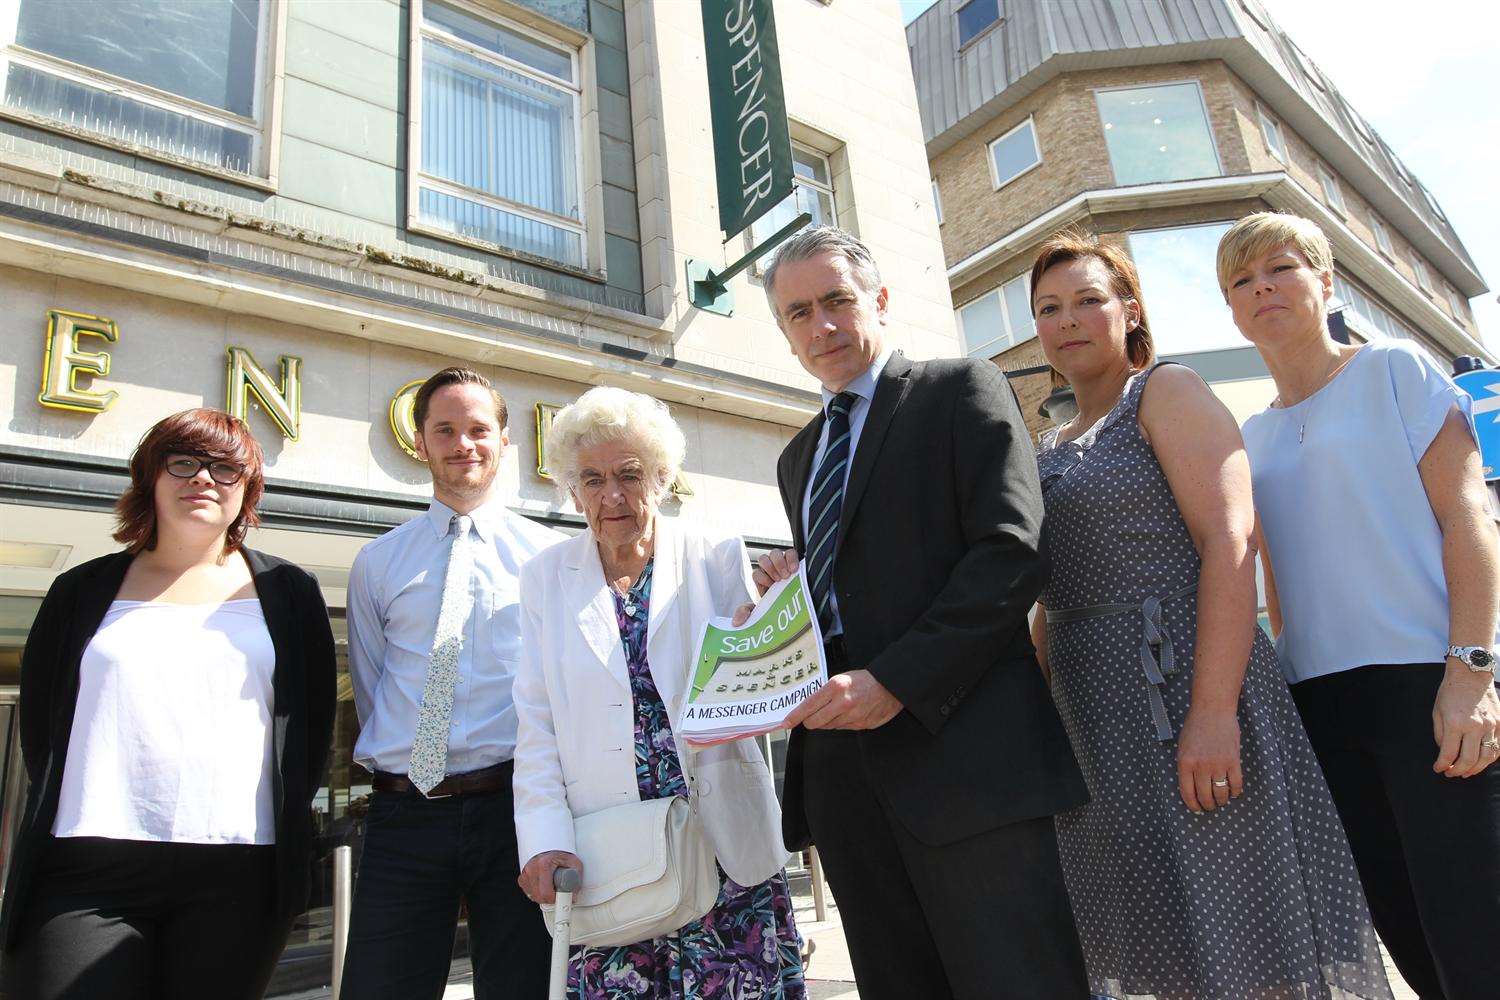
{"x": 928, "y": 770}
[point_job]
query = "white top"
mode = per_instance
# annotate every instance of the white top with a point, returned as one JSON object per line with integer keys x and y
{"x": 863, "y": 388}
{"x": 395, "y": 592}
{"x": 1355, "y": 547}
{"x": 171, "y": 738}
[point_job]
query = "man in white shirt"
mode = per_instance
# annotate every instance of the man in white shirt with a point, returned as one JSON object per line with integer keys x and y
{"x": 434, "y": 636}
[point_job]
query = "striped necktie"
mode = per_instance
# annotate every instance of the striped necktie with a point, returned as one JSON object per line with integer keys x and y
{"x": 823, "y": 509}
{"x": 429, "y": 745}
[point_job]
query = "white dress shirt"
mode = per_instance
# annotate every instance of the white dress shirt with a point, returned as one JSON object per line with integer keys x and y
{"x": 395, "y": 592}
{"x": 171, "y": 739}
{"x": 863, "y": 388}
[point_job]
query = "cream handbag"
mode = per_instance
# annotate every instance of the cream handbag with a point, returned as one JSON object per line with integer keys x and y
{"x": 648, "y": 870}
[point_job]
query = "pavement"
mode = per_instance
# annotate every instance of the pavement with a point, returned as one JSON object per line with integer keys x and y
{"x": 830, "y": 974}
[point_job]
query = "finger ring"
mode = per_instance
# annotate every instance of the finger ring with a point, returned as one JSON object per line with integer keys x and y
{"x": 1490, "y": 744}
{"x": 1221, "y": 782}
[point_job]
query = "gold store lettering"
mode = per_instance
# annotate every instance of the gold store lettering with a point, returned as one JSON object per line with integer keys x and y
{"x": 64, "y": 361}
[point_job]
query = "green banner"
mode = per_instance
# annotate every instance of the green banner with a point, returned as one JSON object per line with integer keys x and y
{"x": 752, "y": 150}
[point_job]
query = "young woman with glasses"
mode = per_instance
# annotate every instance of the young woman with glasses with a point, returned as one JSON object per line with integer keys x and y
{"x": 177, "y": 701}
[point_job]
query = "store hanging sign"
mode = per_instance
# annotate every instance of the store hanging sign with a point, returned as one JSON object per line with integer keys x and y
{"x": 752, "y": 147}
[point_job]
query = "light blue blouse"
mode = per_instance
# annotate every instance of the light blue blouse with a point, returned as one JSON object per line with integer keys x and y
{"x": 1355, "y": 547}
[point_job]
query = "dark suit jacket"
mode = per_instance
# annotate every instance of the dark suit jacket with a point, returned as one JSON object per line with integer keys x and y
{"x": 937, "y": 563}
{"x": 302, "y": 719}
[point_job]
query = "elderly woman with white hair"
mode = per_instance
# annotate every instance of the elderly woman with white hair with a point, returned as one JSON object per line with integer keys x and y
{"x": 609, "y": 623}
{"x": 1383, "y": 581}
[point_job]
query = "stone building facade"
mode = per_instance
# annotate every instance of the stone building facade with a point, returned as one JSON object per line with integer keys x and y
{"x": 1154, "y": 130}
{"x": 331, "y": 199}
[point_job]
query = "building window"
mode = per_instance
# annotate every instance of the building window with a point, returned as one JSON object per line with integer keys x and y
{"x": 1014, "y": 153}
{"x": 1270, "y": 129}
{"x": 1158, "y": 133}
{"x": 998, "y": 320}
{"x": 1456, "y": 304}
{"x": 1181, "y": 288}
{"x": 812, "y": 192}
{"x": 1331, "y": 192}
{"x": 497, "y": 146}
{"x": 1382, "y": 236}
{"x": 1424, "y": 280}
{"x": 975, "y": 18}
{"x": 937, "y": 201}
{"x": 1432, "y": 203}
{"x": 1368, "y": 318}
{"x": 180, "y": 80}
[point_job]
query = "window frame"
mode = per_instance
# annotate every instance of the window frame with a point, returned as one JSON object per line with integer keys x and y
{"x": 1333, "y": 194}
{"x": 590, "y": 187}
{"x": 1456, "y": 303}
{"x": 1008, "y": 339}
{"x": 752, "y": 237}
{"x": 263, "y": 125}
{"x": 999, "y": 19}
{"x": 1423, "y": 276}
{"x": 1213, "y": 140}
{"x": 1382, "y": 237}
{"x": 1267, "y": 125}
{"x": 1036, "y": 147}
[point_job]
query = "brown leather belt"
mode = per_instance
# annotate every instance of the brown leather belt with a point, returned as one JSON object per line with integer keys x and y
{"x": 488, "y": 779}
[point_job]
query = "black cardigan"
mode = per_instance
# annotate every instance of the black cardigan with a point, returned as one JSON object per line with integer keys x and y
{"x": 302, "y": 717}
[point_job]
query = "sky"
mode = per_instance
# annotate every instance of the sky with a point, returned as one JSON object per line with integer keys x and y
{"x": 1431, "y": 87}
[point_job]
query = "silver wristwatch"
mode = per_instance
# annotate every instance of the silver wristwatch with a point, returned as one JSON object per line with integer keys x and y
{"x": 1477, "y": 658}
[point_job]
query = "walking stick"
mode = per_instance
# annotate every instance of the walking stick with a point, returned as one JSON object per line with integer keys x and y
{"x": 566, "y": 881}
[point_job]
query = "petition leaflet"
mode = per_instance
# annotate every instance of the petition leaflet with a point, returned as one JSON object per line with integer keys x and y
{"x": 747, "y": 680}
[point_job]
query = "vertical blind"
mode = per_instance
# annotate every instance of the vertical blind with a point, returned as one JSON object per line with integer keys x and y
{"x": 501, "y": 135}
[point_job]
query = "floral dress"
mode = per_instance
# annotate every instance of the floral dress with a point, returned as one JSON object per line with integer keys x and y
{"x": 745, "y": 948}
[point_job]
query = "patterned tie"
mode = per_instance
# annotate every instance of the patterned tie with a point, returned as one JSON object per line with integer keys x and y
{"x": 823, "y": 510}
{"x": 429, "y": 745}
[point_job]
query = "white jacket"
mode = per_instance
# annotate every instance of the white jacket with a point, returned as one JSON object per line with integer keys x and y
{"x": 575, "y": 747}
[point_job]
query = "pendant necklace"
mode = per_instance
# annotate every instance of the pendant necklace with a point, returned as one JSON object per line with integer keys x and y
{"x": 1328, "y": 376}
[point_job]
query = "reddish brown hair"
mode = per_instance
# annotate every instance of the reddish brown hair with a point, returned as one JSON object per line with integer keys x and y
{"x": 206, "y": 433}
{"x": 1068, "y": 246}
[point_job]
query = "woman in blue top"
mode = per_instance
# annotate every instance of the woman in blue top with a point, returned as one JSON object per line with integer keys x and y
{"x": 1369, "y": 489}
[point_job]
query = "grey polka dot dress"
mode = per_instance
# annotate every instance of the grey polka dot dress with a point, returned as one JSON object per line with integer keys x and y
{"x": 1256, "y": 901}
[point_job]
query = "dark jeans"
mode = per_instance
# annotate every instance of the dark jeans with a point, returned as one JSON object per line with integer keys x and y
{"x": 1427, "y": 847}
{"x": 139, "y": 920}
{"x": 986, "y": 918}
{"x": 421, "y": 857}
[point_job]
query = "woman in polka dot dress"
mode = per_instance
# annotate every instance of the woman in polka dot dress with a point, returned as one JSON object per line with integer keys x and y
{"x": 1210, "y": 863}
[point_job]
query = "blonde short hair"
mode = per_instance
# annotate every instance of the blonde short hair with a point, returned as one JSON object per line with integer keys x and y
{"x": 609, "y": 414}
{"x": 1258, "y": 234}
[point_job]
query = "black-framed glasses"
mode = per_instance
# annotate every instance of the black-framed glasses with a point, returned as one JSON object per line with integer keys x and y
{"x": 221, "y": 471}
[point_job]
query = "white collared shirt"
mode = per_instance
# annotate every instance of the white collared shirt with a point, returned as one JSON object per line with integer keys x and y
{"x": 863, "y": 388}
{"x": 395, "y": 593}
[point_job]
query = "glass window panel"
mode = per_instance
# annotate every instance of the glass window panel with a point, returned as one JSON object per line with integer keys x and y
{"x": 1186, "y": 309}
{"x": 1018, "y": 310}
{"x": 500, "y": 40}
{"x": 1272, "y": 132}
{"x": 203, "y": 50}
{"x": 974, "y": 17}
{"x": 937, "y": 202}
{"x": 809, "y": 167}
{"x": 983, "y": 325}
{"x": 463, "y": 217}
{"x": 498, "y": 131}
{"x": 1014, "y": 154}
{"x": 1157, "y": 134}
{"x": 125, "y": 120}
{"x": 813, "y": 166}
{"x": 1423, "y": 281}
{"x": 1382, "y": 238}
